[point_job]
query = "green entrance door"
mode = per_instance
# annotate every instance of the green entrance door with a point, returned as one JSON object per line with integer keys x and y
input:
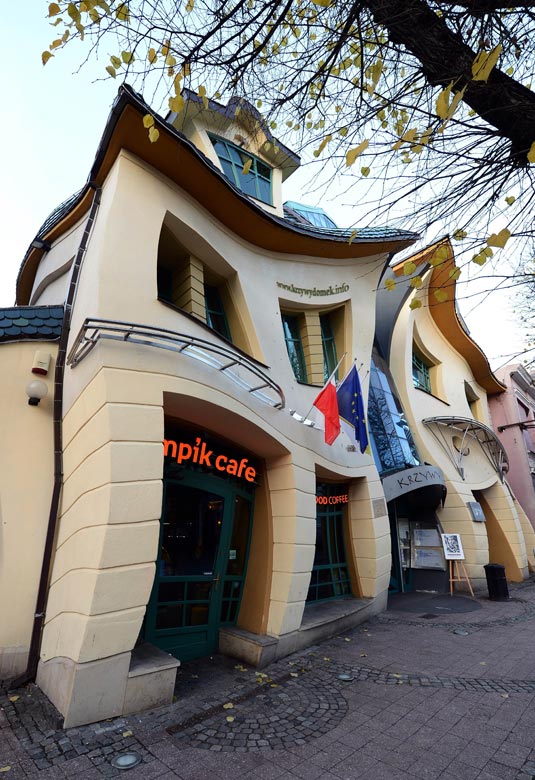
{"x": 201, "y": 566}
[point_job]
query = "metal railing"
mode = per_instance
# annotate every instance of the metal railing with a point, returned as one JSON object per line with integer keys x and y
{"x": 239, "y": 368}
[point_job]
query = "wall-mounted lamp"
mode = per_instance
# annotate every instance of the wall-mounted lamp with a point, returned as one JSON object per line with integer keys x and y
{"x": 36, "y": 391}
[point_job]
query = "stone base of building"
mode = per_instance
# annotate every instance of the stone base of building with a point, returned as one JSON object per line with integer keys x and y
{"x": 118, "y": 685}
{"x": 320, "y": 621}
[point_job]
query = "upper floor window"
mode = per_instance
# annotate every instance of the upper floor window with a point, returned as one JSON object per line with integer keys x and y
{"x": 294, "y": 345}
{"x": 421, "y": 377}
{"x": 215, "y": 311}
{"x": 328, "y": 344}
{"x": 247, "y": 172}
{"x": 193, "y": 287}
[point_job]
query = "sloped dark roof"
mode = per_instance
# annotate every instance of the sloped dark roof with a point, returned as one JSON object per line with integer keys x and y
{"x": 128, "y": 100}
{"x": 31, "y": 323}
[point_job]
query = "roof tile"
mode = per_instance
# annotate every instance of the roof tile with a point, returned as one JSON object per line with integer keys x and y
{"x": 31, "y": 323}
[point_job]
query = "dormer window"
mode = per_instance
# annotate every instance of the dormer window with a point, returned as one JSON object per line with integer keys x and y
{"x": 256, "y": 181}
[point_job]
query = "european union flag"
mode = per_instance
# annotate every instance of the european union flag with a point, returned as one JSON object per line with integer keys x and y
{"x": 351, "y": 406}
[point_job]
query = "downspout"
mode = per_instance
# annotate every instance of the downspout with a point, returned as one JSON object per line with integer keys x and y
{"x": 42, "y": 593}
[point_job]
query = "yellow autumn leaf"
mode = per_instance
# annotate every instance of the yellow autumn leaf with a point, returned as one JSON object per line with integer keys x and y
{"x": 416, "y": 282}
{"x": 127, "y": 57}
{"x": 127, "y": 733}
{"x": 228, "y": 706}
{"x": 441, "y": 295}
{"x": 459, "y": 235}
{"x": 111, "y": 70}
{"x": 122, "y": 13}
{"x": 54, "y": 9}
{"x": 13, "y": 698}
{"x": 94, "y": 15}
{"x": 170, "y": 61}
{"x": 73, "y": 12}
{"x": 176, "y": 103}
{"x": 148, "y": 120}
{"x": 5, "y": 768}
{"x": 247, "y": 167}
{"x": 45, "y": 56}
{"x": 454, "y": 273}
{"x": 322, "y": 3}
{"x": 152, "y": 56}
{"x": 230, "y": 718}
{"x": 499, "y": 239}
{"x": 438, "y": 256}
{"x": 510, "y": 200}
{"x": 479, "y": 259}
{"x": 56, "y": 44}
{"x": 390, "y": 284}
{"x": 116, "y": 62}
{"x": 352, "y": 236}
{"x": 409, "y": 268}
{"x": 531, "y": 153}
{"x": 415, "y": 304}
{"x": 365, "y": 171}
{"x": 352, "y": 154}
{"x": 443, "y": 102}
{"x": 485, "y": 62}
{"x": 190, "y": 5}
{"x": 154, "y": 134}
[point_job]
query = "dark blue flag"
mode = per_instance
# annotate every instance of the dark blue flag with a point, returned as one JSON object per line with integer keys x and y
{"x": 351, "y": 407}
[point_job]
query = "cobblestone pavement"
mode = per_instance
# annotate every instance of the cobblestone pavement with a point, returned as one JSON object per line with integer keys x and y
{"x": 406, "y": 696}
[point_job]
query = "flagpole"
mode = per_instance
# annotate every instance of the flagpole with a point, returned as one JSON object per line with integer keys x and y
{"x": 327, "y": 382}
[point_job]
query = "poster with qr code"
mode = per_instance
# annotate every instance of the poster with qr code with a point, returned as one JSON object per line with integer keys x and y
{"x": 453, "y": 548}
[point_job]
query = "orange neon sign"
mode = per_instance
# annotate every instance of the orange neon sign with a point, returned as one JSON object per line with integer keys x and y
{"x": 200, "y": 454}
{"x": 343, "y": 499}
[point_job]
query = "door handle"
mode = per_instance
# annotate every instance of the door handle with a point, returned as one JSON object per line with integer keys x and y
{"x": 216, "y": 581}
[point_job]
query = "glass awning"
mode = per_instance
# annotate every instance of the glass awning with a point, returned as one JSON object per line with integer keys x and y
{"x": 456, "y": 434}
{"x": 240, "y": 369}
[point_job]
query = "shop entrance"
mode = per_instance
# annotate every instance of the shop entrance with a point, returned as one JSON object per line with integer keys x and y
{"x": 201, "y": 566}
{"x": 417, "y": 558}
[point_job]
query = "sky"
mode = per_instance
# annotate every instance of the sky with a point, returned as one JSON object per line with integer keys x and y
{"x": 53, "y": 119}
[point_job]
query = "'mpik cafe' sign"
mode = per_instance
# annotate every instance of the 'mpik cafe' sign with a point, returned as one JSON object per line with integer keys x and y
{"x": 199, "y": 453}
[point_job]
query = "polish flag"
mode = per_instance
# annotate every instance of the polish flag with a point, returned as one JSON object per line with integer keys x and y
{"x": 327, "y": 403}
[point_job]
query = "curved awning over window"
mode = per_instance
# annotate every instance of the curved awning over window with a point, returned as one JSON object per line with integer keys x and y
{"x": 456, "y": 434}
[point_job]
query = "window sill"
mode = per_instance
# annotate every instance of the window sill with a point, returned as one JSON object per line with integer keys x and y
{"x": 428, "y": 392}
{"x": 213, "y": 332}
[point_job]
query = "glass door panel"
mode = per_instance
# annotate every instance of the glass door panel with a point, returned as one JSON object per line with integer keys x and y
{"x": 201, "y": 565}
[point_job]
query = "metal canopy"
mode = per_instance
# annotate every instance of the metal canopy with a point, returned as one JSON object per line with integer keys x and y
{"x": 239, "y": 368}
{"x": 455, "y": 434}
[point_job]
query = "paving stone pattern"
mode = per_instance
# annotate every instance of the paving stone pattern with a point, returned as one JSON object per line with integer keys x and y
{"x": 402, "y": 697}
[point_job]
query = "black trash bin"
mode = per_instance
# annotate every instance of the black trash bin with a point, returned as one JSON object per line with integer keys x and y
{"x": 496, "y": 582}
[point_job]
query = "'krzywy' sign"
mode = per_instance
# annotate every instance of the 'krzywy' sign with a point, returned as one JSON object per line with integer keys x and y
{"x": 198, "y": 453}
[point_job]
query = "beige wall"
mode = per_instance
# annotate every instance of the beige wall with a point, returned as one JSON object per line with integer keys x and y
{"x": 502, "y": 535}
{"x": 115, "y": 403}
{"x": 26, "y": 474}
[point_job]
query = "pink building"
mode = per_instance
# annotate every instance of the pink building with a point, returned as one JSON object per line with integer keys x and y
{"x": 513, "y": 417}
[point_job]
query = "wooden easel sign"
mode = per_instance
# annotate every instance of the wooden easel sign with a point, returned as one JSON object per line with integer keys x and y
{"x": 454, "y": 554}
